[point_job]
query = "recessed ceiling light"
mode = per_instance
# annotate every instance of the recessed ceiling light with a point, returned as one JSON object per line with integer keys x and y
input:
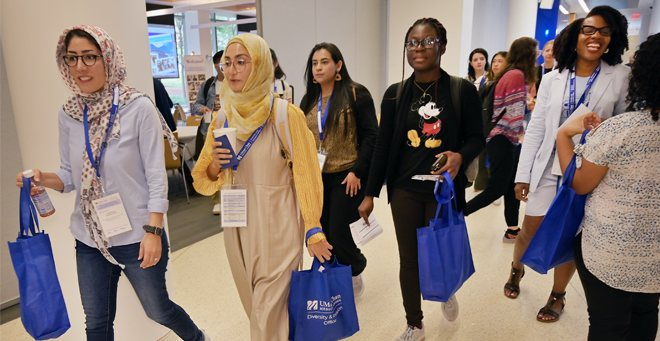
{"x": 584, "y": 6}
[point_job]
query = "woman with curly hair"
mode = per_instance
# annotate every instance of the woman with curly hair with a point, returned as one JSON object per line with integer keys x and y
{"x": 617, "y": 252}
{"x": 502, "y": 142}
{"x": 588, "y": 54}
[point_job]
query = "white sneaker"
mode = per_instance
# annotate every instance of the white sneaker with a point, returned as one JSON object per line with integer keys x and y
{"x": 498, "y": 202}
{"x": 216, "y": 209}
{"x": 358, "y": 286}
{"x": 412, "y": 334}
{"x": 206, "y": 335}
{"x": 450, "y": 309}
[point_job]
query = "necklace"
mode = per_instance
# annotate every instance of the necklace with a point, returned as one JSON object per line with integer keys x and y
{"x": 427, "y": 89}
{"x": 422, "y": 100}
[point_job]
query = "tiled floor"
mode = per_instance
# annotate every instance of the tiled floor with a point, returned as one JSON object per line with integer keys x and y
{"x": 204, "y": 287}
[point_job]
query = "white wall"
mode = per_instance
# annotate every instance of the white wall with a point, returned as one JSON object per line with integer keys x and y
{"x": 489, "y": 27}
{"x": 402, "y": 14}
{"x": 521, "y": 20}
{"x": 654, "y": 26}
{"x": 37, "y": 94}
{"x": 357, "y": 27}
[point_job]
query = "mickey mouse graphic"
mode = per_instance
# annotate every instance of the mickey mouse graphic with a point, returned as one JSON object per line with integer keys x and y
{"x": 430, "y": 124}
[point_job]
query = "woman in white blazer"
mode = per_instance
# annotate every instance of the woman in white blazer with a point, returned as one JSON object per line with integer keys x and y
{"x": 588, "y": 54}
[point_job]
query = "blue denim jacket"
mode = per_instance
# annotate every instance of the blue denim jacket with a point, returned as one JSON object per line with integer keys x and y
{"x": 204, "y": 100}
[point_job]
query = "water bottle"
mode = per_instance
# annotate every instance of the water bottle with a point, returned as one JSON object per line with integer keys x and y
{"x": 39, "y": 196}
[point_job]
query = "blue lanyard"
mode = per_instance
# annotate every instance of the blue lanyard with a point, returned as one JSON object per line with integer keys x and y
{"x": 275, "y": 86}
{"x": 571, "y": 98}
{"x": 248, "y": 144}
{"x": 483, "y": 81}
{"x": 322, "y": 118}
{"x": 111, "y": 122}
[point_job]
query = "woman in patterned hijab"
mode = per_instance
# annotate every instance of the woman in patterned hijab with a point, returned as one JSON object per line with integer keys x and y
{"x": 112, "y": 155}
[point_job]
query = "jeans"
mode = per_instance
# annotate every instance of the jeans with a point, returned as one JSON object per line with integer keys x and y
{"x": 616, "y": 315}
{"x": 98, "y": 278}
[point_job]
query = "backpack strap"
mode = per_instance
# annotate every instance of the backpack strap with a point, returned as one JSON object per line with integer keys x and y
{"x": 455, "y": 89}
{"x": 207, "y": 85}
{"x": 282, "y": 128}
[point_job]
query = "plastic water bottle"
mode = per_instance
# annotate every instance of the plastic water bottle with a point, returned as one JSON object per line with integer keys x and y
{"x": 39, "y": 196}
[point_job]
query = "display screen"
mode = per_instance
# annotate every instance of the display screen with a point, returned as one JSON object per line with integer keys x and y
{"x": 162, "y": 43}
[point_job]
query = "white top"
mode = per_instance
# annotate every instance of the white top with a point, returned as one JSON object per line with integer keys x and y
{"x": 133, "y": 166}
{"x": 621, "y": 225}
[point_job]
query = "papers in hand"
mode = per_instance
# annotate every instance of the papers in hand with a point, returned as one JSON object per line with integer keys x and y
{"x": 363, "y": 233}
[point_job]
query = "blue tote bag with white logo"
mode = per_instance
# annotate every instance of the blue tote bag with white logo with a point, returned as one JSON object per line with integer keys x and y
{"x": 321, "y": 303}
{"x": 552, "y": 245}
{"x": 443, "y": 248}
{"x": 43, "y": 311}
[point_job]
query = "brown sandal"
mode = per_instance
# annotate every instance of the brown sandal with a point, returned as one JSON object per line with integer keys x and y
{"x": 514, "y": 288}
{"x": 547, "y": 310}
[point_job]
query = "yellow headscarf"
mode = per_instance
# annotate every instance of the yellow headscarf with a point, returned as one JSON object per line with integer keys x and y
{"x": 249, "y": 109}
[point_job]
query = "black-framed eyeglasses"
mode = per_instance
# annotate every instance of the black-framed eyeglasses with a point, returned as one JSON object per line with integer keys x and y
{"x": 238, "y": 65}
{"x": 427, "y": 43}
{"x": 87, "y": 59}
{"x": 591, "y": 30}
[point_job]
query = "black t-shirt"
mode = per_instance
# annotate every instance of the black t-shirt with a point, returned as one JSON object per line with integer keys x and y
{"x": 430, "y": 124}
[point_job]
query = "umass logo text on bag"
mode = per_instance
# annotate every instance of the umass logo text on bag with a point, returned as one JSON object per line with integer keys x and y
{"x": 325, "y": 310}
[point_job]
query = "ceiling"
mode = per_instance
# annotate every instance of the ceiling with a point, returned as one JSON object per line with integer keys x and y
{"x": 238, "y": 7}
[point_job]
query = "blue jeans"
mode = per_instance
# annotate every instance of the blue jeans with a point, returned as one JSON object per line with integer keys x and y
{"x": 98, "y": 278}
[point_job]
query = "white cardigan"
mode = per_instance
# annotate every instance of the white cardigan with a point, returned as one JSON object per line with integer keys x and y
{"x": 607, "y": 99}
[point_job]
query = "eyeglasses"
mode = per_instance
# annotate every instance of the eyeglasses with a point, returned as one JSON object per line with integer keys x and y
{"x": 238, "y": 65}
{"x": 590, "y": 30}
{"x": 87, "y": 59}
{"x": 411, "y": 45}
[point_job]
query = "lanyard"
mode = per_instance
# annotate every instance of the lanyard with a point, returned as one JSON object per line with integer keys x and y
{"x": 483, "y": 81}
{"x": 320, "y": 119}
{"x": 248, "y": 144}
{"x": 275, "y": 86}
{"x": 111, "y": 121}
{"x": 571, "y": 99}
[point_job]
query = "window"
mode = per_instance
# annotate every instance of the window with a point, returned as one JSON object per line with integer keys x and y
{"x": 175, "y": 86}
{"x": 223, "y": 34}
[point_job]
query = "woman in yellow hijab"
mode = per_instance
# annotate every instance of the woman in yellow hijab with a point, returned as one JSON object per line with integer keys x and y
{"x": 263, "y": 253}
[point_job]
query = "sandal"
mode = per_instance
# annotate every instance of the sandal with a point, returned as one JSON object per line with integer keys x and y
{"x": 547, "y": 310}
{"x": 514, "y": 288}
{"x": 510, "y": 236}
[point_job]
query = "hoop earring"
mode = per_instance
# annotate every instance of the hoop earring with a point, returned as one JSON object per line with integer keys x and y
{"x": 314, "y": 81}
{"x": 607, "y": 50}
{"x": 337, "y": 77}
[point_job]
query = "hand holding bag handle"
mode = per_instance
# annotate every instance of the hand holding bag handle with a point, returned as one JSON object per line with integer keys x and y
{"x": 28, "y": 212}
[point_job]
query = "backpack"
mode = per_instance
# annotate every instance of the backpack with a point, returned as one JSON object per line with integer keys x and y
{"x": 281, "y": 123}
{"x": 207, "y": 86}
{"x": 487, "y": 94}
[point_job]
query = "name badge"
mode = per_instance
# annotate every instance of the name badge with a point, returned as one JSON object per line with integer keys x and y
{"x": 233, "y": 203}
{"x": 112, "y": 215}
{"x": 322, "y": 157}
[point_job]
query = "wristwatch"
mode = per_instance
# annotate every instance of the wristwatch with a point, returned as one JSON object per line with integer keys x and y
{"x": 153, "y": 229}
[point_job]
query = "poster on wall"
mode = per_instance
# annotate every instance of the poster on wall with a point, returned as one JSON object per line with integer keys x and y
{"x": 195, "y": 68}
{"x": 162, "y": 44}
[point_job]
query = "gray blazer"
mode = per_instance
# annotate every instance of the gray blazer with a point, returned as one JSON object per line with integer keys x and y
{"x": 607, "y": 99}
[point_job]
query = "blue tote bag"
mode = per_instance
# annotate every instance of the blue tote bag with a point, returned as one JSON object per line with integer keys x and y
{"x": 443, "y": 248}
{"x": 43, "y": 311}
{"x": 321, "y": 303}
{"x": 552, "y": 245}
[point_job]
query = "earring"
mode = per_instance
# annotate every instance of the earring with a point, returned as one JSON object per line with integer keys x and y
{"x": 314, "y": 81}
{"x": 338, "y": 77}
{"x": 607, "y": 50}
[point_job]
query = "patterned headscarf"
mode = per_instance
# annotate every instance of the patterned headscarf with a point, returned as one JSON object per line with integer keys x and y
{"x": 250, "y": 108}
{"x": 99, "y": 104}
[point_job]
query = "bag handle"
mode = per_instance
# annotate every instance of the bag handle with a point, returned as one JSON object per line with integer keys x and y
{"x": 445, "y": 196}
{"x": 571, "y": 168}
{"x": 316, "y": 264}
{"x": 28, "y": 213}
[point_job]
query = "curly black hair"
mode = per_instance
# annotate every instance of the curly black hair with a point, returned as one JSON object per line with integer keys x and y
{"x": 566, "y": 41}
{"x": 644, "y": 85}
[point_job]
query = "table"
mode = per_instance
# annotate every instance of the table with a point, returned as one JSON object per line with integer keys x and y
{"x": 187, "y": 136}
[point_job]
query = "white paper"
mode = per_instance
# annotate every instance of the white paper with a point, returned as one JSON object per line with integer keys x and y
{"x": 581, "y": 110}
{"x": 322, "y": 158}
{"x": 233, "y": 203}
{"x": 426, "y": 177}
{"x": 112, "y": 215}
{"x": 362, "y": 233}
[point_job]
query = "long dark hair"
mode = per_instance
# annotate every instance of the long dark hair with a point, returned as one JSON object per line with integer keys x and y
{"x": 522, "y": 56}
{"x": 471, "y": 71}
{"x": 342, "y": 98}
{"x": 491, "y": 75}
{"x": 279, "y": 73}
{"x": 644, "y": 85}
{"x": 565, "y": 46}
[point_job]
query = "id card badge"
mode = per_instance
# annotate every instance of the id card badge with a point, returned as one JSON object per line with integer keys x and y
{"x": 112, "y": 215}
{"x": 322, "y": 157}
{"x": 233, "y": 203}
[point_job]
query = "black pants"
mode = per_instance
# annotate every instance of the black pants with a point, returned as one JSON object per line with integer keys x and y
{"x": 482, "y": 175}
{"x": 616, "y": 315}
{"x": 503, "y": 156}
{"x": 339, "y": 211}
{"x": 411, "y": 211}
